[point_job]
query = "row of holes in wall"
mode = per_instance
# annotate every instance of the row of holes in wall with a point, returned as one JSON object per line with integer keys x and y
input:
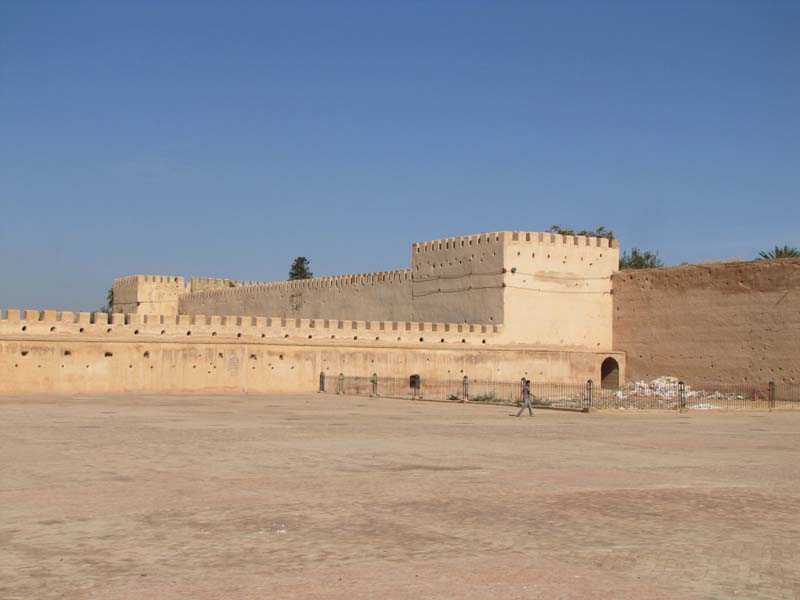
{"x": 263, "y": 335}
{"x": 441, "y": 265}
{"x": 314, "y": 323}
{"x": 432, "y": 265}
{"x": 146, "y": 354}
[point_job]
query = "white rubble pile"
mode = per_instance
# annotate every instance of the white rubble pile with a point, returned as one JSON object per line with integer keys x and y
{"x": 665, "y": 393}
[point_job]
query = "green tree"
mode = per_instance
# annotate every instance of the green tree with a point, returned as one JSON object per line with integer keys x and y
{"x": 640, "y": 259}
{"x": 779, "y": 252}
{"x": 300, "y": 269}
{"x": 600, "y": 232}
{"x": 109, "y": 305}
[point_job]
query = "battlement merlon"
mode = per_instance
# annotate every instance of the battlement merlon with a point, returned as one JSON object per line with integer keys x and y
{"x": 532, "y": 237}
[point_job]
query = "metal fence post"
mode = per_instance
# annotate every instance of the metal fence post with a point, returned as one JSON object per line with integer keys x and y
{"x": 589, "y": 386}
{"x": 322, "y": 381}
{"x": 682, "y": 394}
{"x": 465, "y": 391}
{"x": 771, "y": 395}
{"x": 374, "y": 384}
{"x": 340, "y": 389}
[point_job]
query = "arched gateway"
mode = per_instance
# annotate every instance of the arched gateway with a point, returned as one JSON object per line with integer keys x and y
{"x": 609, "y": 373}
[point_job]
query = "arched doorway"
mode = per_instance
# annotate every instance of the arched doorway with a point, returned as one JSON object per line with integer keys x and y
{"x": 609, "y": 373}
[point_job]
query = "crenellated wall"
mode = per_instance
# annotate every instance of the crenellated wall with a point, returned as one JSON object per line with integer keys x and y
{"x": 368, "y": 296}
{"x": 200, "y": 284}
{"x": 459, "y": 279}
{"x": 557, "y": 289}
{"x": 549, "y": 290}
{"x": 52, "y": 352}
{"x": 148, "y": 293}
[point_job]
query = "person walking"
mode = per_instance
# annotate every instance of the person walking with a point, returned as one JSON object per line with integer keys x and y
{"x": 526, "y": 398}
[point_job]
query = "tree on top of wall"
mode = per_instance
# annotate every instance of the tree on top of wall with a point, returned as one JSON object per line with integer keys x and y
{"x": 109, "y": 305}
{"x": 779, "y": 252}
{"x": 300, "y": 269}
{"x": 600, "y": 232}
{"x": 640, "y": 259}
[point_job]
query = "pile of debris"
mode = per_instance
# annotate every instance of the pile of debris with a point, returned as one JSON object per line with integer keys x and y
{"x": 667, "y": 392}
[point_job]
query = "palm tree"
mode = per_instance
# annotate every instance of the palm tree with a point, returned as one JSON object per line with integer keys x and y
{"x": 779, "y": 252}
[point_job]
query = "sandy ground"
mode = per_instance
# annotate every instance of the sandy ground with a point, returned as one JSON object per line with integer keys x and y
{"x": 344, "y": 498}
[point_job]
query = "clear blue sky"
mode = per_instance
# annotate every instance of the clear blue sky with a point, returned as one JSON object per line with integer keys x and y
{"x": 224, "y": 139}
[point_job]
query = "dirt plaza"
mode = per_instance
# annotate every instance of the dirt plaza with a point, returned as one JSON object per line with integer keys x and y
{"x": 339, "y": 497}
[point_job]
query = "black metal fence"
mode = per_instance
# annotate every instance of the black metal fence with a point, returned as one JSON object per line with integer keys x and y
{"x": 660, "y": 394}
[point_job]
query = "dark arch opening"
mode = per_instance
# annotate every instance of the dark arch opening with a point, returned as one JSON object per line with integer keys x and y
{"x": 609, "y": 374}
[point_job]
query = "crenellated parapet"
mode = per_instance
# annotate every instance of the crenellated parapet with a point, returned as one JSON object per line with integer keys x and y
{"x": 380, "y": 295}
{"x": 33, "y": 324}
{"x": 548, "y": 289}
{"x": 208, "y": 287}
{"x": 148, "y": 293}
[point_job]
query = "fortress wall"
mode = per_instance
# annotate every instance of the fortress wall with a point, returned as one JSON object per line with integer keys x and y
{"x": 727, "y": 322}
{"x": 459, "y": 279}
{"x": 199, "y": 284}
{"x": 558, "y": 289}
{"x": 148, "y": 293}
{"x": 50, "y": 352}
{"x": 551, "y": 290}
{"x": 370, "y": 296}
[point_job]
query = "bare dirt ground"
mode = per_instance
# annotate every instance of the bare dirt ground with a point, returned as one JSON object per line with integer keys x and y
{"x": 342, "y": 498}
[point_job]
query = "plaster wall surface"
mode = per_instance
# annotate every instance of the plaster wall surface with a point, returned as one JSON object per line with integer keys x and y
{"x": 81, "y": 353}
{"x": 148, "y": 294}
{"x": 549, "y": 290}
{"x": 200, "y": 284}
{"x": 459, "y": 279}
{"x": 557, "y": 289}
{"x": 716, "y": 323}
{"x": 370, "y": 296}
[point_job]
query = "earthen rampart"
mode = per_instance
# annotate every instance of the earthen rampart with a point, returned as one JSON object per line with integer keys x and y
{"x": 725, "y": 322}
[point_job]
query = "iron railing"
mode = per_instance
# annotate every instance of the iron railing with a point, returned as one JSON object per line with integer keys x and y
{"x": 660, "y": 394}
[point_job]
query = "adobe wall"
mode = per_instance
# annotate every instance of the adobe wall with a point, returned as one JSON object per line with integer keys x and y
{"x": 458, "y": 279}
{"x": 551, "y": 291}
{"x": 50, "y": 352}
{"x": 547, "y": 290}
{"x": 200, "y": 284}
{"x": 717, "y": 323}
{"x": 557, "y": 289}
{"x": 370, "y": 296}
{"x": 148, "y": 294}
